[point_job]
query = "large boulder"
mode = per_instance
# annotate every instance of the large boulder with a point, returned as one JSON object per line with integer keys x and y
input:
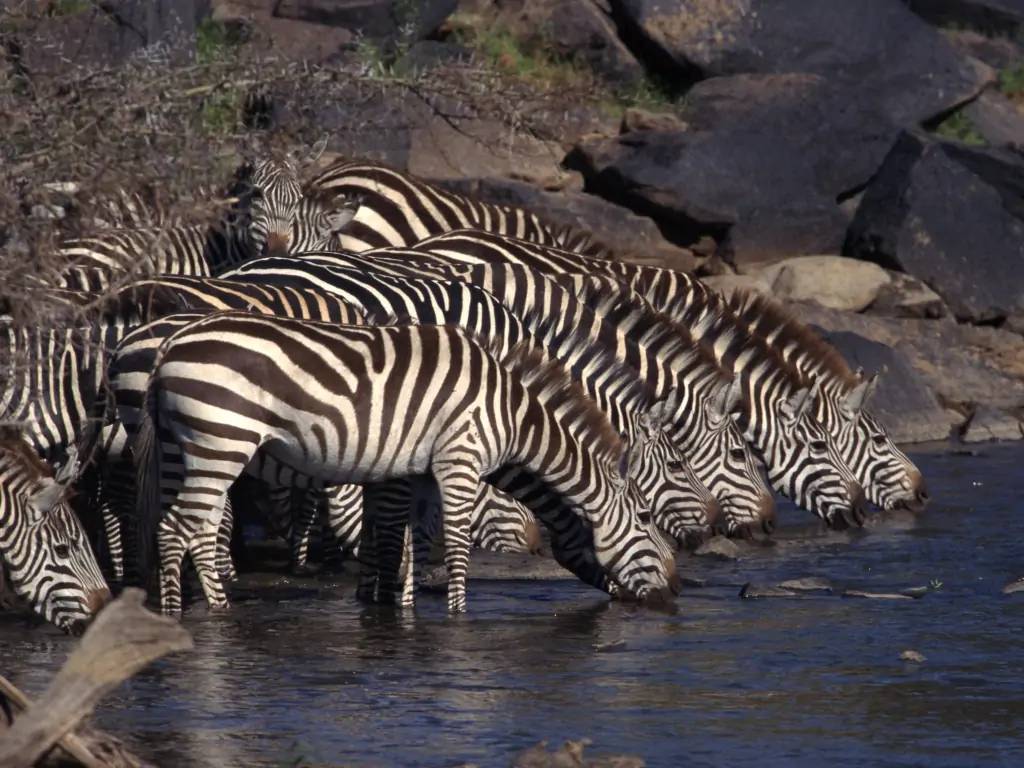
{"x": 903, "y": 401}
{"x": 963, "y": 365}
{"x": 992, "y": 424}
{"x": 760, "y": 166}
{"x": 832, "y": 281}
{"x": 848, "y": 42}
{"x": 997, "y": 119}
{"x": 952, "y": 216}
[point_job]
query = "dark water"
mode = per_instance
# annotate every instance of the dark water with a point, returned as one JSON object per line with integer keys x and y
{"x": 777, "y": 682}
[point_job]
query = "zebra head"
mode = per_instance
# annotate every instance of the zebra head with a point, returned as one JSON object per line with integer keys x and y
{"x": 320, "y": 220}
{"x": 268, "y": 195}
{"x": 46, "y": 552}
{"x": 725, "y": 463}
{"x": 889, "y": 478}
{"x": 629, "y": 546}
{"x": 803, "y": 462}
{"x": 681, "y": 504}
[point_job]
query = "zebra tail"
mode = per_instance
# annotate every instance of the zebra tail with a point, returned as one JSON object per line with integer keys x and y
{"x": 146, "y": 452}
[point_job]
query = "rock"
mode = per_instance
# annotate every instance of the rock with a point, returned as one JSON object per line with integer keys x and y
{"x": 570, "y": 755}
{"x": 903, "y": 402}
{"x": 636, "y": 119}
{"x": 759, "y": 167}
{"x": 720, "y": 548}
{"x": 631, "y": 238}
{"x": 286, "y": 38}
{"x": 754, "y": 591}
{"x": 952, "y": 216}
{"x": 912, "y": 656}
{"x": 996, "y": 52}
{"x": 991, "y": 17}
{"x": 1013, "y": 587}
{"x": 961, "y": 364}
{"x": 686, "y": 581}
{"x": 807, "y": 584}
{"x": 989, "y": 423}
{"x": 832, "y": 281}
{"x": 427, "y": 54}
{"x": 875, "y": 595}
{"x": 372, "y": 18}
{"x": 837, "y": 39}
{"x": 906, "y": 296}
{"x": 997, "y": 119}
{"x": 579, "y": 31}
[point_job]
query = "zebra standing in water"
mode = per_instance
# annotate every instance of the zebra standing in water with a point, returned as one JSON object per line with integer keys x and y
{"x": 889, "y": 478}
{"x": 357, "y": 404}
{"x": 42, "y": 544}
{"x": 400, "y": 210}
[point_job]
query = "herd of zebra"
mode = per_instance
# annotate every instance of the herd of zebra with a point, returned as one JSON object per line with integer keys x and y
{"x": 398, "y": 365}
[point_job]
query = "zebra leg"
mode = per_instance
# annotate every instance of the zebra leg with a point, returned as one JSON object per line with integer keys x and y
{"x": 367, "y": 589}
{"x": 203, "y": 549}
{"x": 389, "y": 504}
{"x": 115, "y": 546}
{"x": 305, "y": 529}
{"x": 344, "y": 521}
{"x": 225, "y": 564}
{"x": 457, "y": 484}
{"x": 424, "y": 531}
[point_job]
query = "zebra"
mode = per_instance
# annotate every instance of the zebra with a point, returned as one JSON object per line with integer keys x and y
{"x": 458, "y": 413}
{"x": 93, "y": 263}
{"x": 42, "y": 545}
{"x": 889, "y": 478}
{"x": 671, "y": 363}
{"x": 397, "y": 209}
{"x": 800, "y": 456}
{"x": 636, "y": 413}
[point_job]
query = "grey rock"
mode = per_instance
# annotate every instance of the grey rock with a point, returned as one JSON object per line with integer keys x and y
{"x": 427, "y": 54}
{"x": 906, "y": 296}
{"x": 580, "y": 31}
{"x": 875, "y": 595}
{"x": 1014, "y": 587}
{"x": 912, "y": 656}
{"x": 832, "y": 281}
{"x": 728, "y": 284}
{"x": 902, "y": 401}
{"x": 630, "y": 237}
{"x": 752, "y": 591}
{"x": 989, "y": 423}
{"x": 636, "y": 119}
{"x": 807, "y": 584}
{"x": 991, "y": 17}
{"x": 951, "y": 216}
{"x": 961, "y": 364}
{"x": 693, "y": 583}
{"x": 996, "y": 52}
{"x": 841, "y": 40}
{"x": 720, "y": 548}
{"x": 997, "y": 119}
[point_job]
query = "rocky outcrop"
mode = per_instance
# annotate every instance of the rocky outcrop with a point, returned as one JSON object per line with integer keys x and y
{"x": 992, "y": 424}
{"x": 842, "y": 41}
{"x": 906, "y": 296}
{"x": 952, "y": 216}
{"x": 993, "y": 17}
{"x": 760, "y": 166}
{"x": 998, "y": 120}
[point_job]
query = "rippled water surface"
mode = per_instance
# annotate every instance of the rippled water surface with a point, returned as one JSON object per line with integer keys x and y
{"x": 795, "y": 681}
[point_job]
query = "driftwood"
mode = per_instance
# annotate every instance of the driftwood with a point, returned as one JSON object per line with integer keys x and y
{"x": 124, "y": 638}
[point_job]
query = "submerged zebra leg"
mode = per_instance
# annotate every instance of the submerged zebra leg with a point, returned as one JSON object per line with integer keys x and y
{"x": 343, "y": 512}
{"x": 368, "y": 566}
{"x": 225, "y": 563}
{"x": 306, "y": 529}
{"x": 457, "y": 484}
{"x": 203, "y": 549}
{"x": 388, "y": 504}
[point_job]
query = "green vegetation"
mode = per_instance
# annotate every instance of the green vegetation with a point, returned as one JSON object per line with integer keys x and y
{"x": 69, "y": 7}
{"x": 958, "y": 127}
{"x": 215, "y": 42}
{"x": 221, "y": 112}
{"x": 1011, "y": 83}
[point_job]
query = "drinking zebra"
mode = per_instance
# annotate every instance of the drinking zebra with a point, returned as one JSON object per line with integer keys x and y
{"x": 42, "y": 545}
{"x": 397, "y": 209}
{"x": 360, "y": 404}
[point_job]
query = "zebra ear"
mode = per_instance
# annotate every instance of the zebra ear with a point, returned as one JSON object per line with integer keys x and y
{"x": 858, "y": 397}
{"x": 619, "y": 474}
{"x": 48, "y": 495}
{"x": 799, "y": 402}
{"x": 69, "y": 470}
{"x": 340, "y": 218}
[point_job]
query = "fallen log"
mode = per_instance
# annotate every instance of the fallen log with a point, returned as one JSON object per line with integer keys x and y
{"x": 124, "y": 638}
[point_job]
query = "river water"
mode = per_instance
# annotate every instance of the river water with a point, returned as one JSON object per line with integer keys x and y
{"x": 306, "y": 676}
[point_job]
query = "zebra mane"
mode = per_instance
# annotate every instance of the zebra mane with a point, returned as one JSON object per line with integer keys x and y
{"x": 577, "y": 240}
{"x": 612, "y": 299}
{"x": 767, "y": 317}
{"x": 547, "y": 380}
{"x": 14, "y": 444}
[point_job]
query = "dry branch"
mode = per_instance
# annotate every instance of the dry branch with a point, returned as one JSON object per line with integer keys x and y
{"x": 124, "y": 638}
